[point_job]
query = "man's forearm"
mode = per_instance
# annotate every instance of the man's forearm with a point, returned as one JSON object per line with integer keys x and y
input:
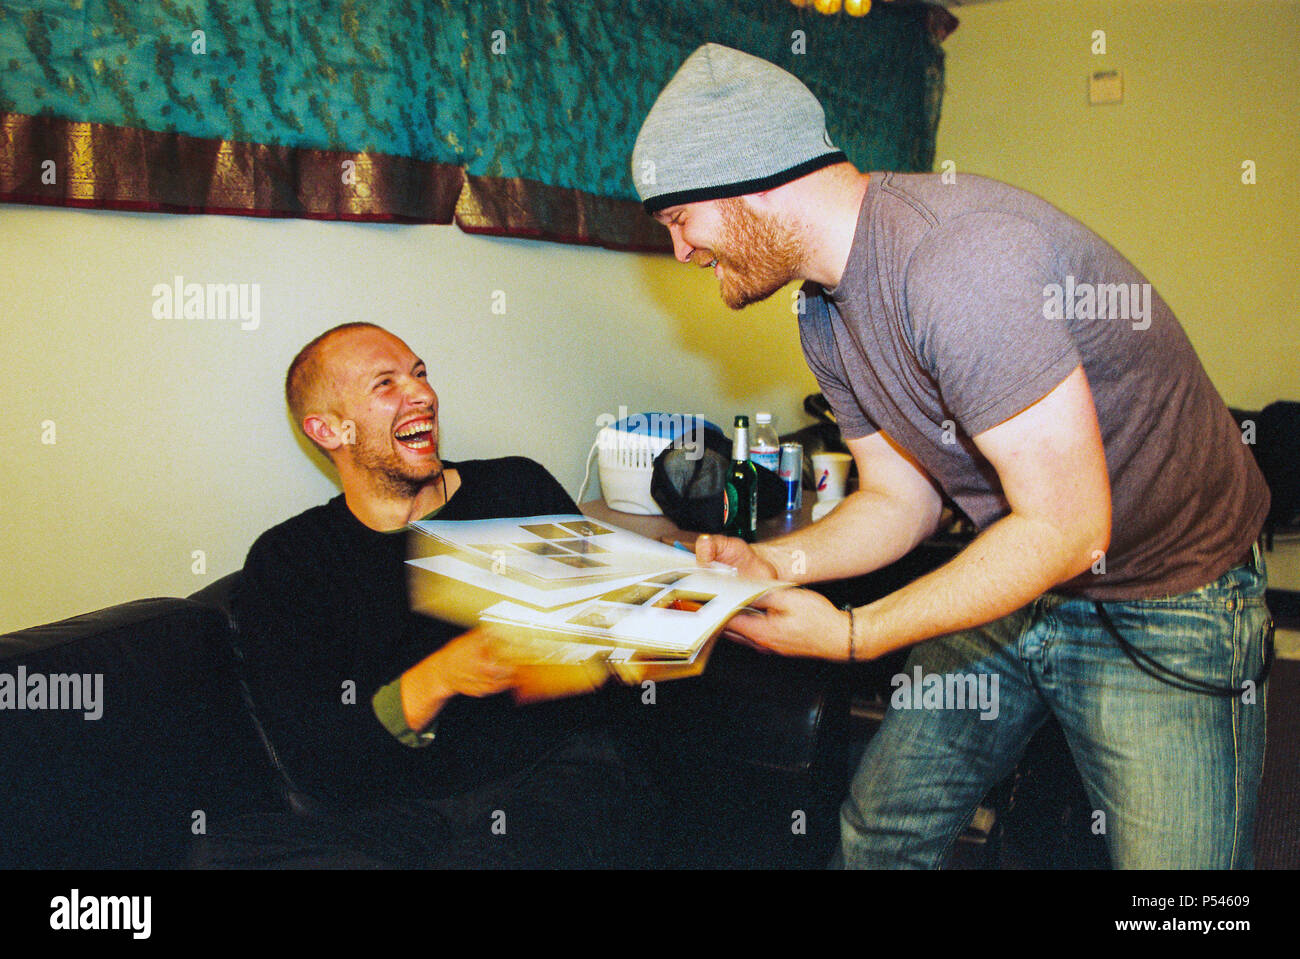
{"x": 1007, "y": 566}
{"x": 469, "y": 665}
{"x": 865, "y": 532}
{"x": 424, "y": 693}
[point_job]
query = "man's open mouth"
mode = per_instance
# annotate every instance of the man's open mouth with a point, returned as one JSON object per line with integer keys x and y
{"x": 416, "y": 435}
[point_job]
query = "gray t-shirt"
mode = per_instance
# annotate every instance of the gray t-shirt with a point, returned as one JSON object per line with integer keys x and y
{"x": 962, "y": 304}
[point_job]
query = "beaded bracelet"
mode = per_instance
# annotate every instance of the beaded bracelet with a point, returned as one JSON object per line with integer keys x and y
{"x": 848, "y": 608}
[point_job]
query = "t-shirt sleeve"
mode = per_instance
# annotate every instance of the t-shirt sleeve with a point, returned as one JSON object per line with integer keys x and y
{"x": 976, "y": 290}
{"x": 387, "y": 704}
{"x": 824, "y": 360}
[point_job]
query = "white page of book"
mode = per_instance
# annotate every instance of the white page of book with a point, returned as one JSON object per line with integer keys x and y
{"x": 638, "y": 615}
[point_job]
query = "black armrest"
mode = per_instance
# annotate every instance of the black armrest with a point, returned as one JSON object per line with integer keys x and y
{"x": 218, "y": 595}
{"x": 771, "y": 712}
{"x": 752, "y": 710}
{"x": 164, "y": 749}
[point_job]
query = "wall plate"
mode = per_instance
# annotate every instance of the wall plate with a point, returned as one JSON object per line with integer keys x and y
{"x": 1106, "y": 86}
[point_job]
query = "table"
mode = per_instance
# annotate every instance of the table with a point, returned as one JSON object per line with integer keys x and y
{"x": 665, "y": 530}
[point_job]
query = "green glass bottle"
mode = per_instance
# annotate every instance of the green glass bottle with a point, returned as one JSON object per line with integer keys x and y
{"x": 740, "y": 512}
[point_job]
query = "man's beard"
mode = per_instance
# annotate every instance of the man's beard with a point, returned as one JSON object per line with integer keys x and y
{"x": 390, "y": 474}
{"x": 761, "y": 254}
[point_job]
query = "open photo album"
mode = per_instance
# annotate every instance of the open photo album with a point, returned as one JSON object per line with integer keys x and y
{"x": 564, "y": 590}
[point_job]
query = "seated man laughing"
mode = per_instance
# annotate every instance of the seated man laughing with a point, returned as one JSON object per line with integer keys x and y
{"x": 395, "y": 723}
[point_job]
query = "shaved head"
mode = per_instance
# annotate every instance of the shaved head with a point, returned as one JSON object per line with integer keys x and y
{"x": 306, "y": 385}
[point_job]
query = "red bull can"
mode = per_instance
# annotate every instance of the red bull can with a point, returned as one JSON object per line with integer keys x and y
{"x": 790, "y": 469}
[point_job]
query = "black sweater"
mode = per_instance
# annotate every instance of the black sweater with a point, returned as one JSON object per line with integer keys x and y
{"x": 322, "y": 603}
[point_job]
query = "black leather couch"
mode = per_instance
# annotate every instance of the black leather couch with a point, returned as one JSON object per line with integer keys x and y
{"x": 749, "y": 758}
{"x": 172, "y": 753}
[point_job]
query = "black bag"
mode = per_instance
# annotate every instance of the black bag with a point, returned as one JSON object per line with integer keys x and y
{"x": 690, "y": 484}
{"x": 1277, "y": 451}
{"x": 1276, "y": 447}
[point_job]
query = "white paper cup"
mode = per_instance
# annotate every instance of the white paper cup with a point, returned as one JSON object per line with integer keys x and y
{"x": 832, "y": 471}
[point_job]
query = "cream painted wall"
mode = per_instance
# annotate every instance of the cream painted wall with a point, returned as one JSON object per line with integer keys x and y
{"x": 171, "y": 435}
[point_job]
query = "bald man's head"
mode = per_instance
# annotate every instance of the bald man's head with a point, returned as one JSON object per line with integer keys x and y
{"x": 307, "y": 388}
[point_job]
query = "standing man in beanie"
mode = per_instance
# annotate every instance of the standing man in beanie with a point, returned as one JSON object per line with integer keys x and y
{"x": 980, "y": 346}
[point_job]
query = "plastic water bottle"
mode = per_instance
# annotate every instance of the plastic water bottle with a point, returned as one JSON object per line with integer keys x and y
{"x": 765, "y": 445}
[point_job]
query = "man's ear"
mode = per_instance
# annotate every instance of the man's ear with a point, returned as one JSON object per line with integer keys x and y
{"x": 329, "y": 432}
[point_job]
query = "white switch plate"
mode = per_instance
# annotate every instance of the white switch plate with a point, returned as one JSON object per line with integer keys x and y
{"x": 1106, "y": 86}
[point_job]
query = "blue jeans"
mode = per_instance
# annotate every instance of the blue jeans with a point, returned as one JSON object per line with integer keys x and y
{"x": 1173, "y": 776}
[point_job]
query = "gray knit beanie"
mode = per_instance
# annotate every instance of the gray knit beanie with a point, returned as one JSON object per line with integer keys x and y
{"x": 728, "y": 124}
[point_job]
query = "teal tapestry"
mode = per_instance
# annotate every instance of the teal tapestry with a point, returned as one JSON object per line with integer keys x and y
{"x": 512, "y": 116}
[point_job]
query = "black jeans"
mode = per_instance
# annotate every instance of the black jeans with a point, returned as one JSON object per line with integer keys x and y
{"x": 579, "y": 807}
